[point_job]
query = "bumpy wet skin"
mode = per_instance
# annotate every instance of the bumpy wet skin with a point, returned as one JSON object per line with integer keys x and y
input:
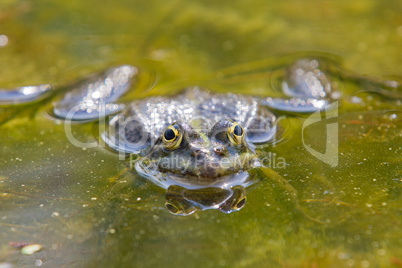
{"x": 85, "y": 210}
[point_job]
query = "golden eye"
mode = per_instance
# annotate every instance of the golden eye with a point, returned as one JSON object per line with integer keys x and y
{"x": 235, "y": 133}
{"x": 172, "y": 137}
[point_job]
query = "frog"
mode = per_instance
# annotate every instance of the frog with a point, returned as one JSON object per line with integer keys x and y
{"x": 198, "y": 145}
{"x": 194, "y": 144}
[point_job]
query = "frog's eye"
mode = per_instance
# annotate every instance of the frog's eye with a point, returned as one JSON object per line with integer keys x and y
{"x": 235, "y": 133}
{"x": 172, "y": 137}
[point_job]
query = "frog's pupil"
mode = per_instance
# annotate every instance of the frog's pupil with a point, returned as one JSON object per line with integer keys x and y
{"x": 238, "y": 131}
{"x": 169, "y": 134}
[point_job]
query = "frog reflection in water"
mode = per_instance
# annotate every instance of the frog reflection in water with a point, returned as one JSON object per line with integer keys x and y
{"x": 197, "y": 145}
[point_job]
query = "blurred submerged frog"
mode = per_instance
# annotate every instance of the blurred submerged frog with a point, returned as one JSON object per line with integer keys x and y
{"x": 197, "y": 145}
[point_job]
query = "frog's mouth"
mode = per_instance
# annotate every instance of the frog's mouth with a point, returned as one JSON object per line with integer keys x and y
{"x": 150, "y": 170}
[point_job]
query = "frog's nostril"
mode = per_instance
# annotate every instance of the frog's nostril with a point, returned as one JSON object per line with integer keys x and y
{"x": 195, "y": 152}
{"x": 220, "y": 150}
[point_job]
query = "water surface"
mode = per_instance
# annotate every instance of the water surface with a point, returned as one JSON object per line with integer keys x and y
{"x": 73, "y": 201}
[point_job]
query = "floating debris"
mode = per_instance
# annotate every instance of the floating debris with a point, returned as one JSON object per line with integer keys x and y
{"x": 31, "y": 249}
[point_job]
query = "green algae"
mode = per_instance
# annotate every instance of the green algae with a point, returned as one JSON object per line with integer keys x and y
{"x": 70, "y": 200}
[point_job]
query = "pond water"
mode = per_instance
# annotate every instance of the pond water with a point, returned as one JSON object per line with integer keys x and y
{"x": 85, "y": 211}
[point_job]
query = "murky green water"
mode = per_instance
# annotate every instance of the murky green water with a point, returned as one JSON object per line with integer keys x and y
{"x": 69, "y": 200}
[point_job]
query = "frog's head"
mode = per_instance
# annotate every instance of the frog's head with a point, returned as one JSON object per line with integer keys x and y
{"x": 200, "y": 153}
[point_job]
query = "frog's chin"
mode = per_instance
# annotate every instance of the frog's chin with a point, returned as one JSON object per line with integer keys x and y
{"x": 166, "y": 179}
